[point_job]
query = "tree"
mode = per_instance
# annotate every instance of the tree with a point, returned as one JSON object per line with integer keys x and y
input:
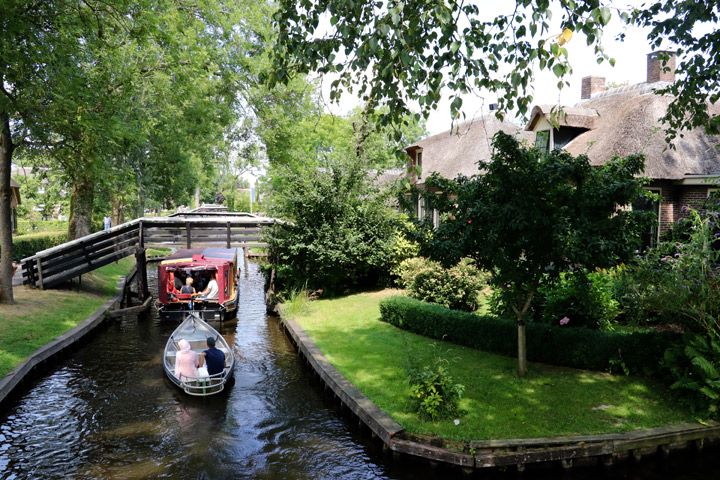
{"x": 533, "y": 215}
{"x": 401, "y": 52}
{"x": 121, "y": 91}
{"x": 339, "y": 230}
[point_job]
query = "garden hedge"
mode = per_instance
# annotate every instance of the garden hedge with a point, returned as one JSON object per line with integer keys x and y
{"x": 28, "y": 245}
{"x": 577, "y": 347}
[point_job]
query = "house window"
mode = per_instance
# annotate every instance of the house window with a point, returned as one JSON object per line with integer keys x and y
{"x": 419, "y": 165}
{"x": 652, "y": 236}
{"x": 421, "y": 207}
{"x": 542, "y": 140}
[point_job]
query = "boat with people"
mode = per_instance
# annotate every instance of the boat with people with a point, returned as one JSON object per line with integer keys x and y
{"x": 201, "y": 279}
{"x": 197, "y": 358}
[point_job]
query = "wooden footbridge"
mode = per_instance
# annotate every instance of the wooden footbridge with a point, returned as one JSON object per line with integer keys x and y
{"x": 57, "y": 265}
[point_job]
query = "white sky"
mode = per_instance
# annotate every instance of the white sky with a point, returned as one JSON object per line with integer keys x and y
{"x": 630, "y": 67}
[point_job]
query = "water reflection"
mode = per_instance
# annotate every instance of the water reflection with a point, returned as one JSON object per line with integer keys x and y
{"x": 109, "y": 412}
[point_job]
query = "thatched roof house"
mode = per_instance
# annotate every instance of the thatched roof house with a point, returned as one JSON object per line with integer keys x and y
{"x": 459, "y": 151}
{"x": 626, "y": 120}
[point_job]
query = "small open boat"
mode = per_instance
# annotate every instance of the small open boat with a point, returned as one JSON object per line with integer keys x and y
{"x": 196, "y": 331}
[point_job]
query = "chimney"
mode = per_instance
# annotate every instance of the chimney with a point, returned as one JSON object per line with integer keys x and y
{"x": 592, "y": 86}
{"x": 661, "y": 66}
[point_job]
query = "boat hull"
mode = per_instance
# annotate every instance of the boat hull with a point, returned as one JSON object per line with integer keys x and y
{"x": 195, "y": 331}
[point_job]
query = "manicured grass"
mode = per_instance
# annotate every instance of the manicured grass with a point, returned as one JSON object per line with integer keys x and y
{"x": 39, "y": 316}
{"x": 550, "y": 401}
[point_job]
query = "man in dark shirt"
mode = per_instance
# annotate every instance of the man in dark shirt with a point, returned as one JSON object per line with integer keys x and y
{"x": 214, "y": 358}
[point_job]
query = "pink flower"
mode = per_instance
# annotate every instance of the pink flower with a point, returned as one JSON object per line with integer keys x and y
{"x": 564, "y": 321}
{"x": 470, "y": 221}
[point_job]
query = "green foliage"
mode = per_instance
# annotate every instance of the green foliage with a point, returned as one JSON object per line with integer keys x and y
{"x": 677, "y": 283}
{"x": 28, "y": 245}
{"x": 338, "y": 232}
{"x": 399, "y": 53}
{"x": 583, "y": 348}
{"x": 26, "y": 227}
{"x": 409, "y": 268}
{"x": 587, "y": 299}
{"x": 294, "y": 303}
{"x": 457, "y": 287}
{"x": 695, "y": 368}
{"x": 434, "y": 393}
{"x": 533, "y": 215}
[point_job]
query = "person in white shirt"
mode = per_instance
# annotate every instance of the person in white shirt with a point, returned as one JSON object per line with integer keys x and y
{"x": 211, "y": 291}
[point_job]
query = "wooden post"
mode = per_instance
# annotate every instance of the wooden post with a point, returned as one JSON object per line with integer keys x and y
{"x": 228, "y": 234}
{"x": 141, "y": 265}
{"x": 187, "y": 234}
{"x": 141, "y": 235}
{"x": 245, "y": 258}
{"x": 40, "y": 274}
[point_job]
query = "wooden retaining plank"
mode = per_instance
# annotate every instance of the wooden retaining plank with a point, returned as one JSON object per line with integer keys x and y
{"x": 377, "y": 420}
{"x": 431, "y": 452}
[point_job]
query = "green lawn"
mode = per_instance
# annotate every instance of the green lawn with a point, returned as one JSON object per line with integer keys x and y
{"x": 550, "y": 401}
{"x": 39, "y": 316}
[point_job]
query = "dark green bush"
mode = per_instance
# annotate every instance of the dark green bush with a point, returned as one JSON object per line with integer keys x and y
{"x": 638, "y": 352}
{"x": 434, "y": 392}
{"x": 586, "y": 299}
{"x": 28, "y": 245}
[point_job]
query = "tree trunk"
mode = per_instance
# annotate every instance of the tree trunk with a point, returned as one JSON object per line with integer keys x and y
{"x": 117, "y": 215}
{"x": 522, "y": 351}
{"x": 6, "y": 270}
{"x": 81, "y": 206}
{"x": 197, "y": 196}
{"x": 521, "y": 314}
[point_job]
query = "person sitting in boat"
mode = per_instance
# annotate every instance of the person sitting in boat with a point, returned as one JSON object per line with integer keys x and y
{"x": 186, "y": 361}
{"x": 211, "y": 291}
{"x": 214, "y": 358}
{"x": 188, "y": 288}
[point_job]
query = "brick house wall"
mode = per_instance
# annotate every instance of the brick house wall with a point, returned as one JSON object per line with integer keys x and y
{"x": 677, "y": 200}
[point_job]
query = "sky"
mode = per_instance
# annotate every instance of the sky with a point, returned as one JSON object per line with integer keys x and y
{"x": 630, "y": 67}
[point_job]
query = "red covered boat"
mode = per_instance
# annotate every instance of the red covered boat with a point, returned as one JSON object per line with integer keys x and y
{"x": 202, "y": 266}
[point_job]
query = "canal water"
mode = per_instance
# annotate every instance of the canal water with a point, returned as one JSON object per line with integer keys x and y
{"x": 107, "y": 411}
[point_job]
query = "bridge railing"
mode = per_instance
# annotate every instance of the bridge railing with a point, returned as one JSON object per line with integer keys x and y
{"x": 59, "y": 264}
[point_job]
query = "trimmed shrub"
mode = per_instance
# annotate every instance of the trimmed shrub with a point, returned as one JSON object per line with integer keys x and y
{"x": 457, "y": 287}
{"x": 587, "y": 299}
{"x": 28, "y": 245}
{"x": 637, "y": 352}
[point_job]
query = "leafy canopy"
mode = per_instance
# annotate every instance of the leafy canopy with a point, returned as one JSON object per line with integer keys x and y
{"x": 400, "y": 52}
{"x": 532, "y": 215}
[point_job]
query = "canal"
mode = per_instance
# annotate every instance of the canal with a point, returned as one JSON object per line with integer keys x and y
{"x": 107, "y": 411}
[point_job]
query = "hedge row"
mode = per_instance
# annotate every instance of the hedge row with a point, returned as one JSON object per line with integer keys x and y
{"x": 638, "y": 352}
{"x": 28, "y": 245}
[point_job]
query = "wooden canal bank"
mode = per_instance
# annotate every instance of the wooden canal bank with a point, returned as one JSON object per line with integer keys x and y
{"x": 568, "y": 451}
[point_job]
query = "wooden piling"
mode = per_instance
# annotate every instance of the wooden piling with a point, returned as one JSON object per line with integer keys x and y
{"x": 141, "y": 265}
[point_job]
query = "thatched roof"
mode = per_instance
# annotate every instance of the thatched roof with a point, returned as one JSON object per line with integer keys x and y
{"x": 459, "y": 150}
{"x": 628, "y": 121}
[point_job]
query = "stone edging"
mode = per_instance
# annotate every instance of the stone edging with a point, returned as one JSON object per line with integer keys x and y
{"x": 12, "y": 380}
{"x": 580, "y": 449}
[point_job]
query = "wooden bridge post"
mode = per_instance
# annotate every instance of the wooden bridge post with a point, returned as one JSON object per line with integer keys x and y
{"x": 141, "y": 265}
{"x": 40, "y": 274}
{"x": 228, "y": 235}
{"x": 187, "y": 235}
{"x": 245, "y": 258}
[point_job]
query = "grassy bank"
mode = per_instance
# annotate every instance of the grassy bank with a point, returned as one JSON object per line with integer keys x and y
{"x": 39, "y": 316}
{"x": 550, "y": 401}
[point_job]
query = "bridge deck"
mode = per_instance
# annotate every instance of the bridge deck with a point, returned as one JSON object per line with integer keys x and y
{"x": 57, "y": 265}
